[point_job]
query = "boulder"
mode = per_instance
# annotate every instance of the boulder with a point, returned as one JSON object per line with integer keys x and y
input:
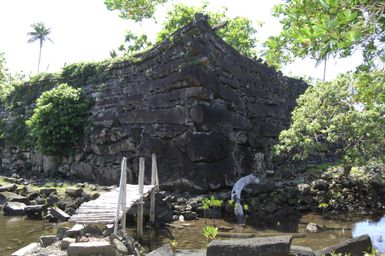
{"x": 320, "y": 184}
{"x": 14, "y": 208}
{"x": 165, "y": 250}
{"x": 119, "y": 246}
{"x": 47, "y": 191}
{"x": 91, "y": 248}
{"x": 74, "y": 192}
{"x": 8, "y": 187}
{"x": 261, "y": 246}
{"x": 58, "y": 214}
{"x": 353, "y": 247}
{"x": 27, "y": 249}
{"x": 92, "y": 230}
{"x": 65, "y": 243}
{"x": 303, "y": 188}
{"x": 61, "y": 232}
{"x": 12, "y": 197}
{"x": 76, "y": 230}
{"x": 189, "y": 215}
{"x": 296, "y": 250}
{"x": 35, "y": 211}
{"x": 314, "y": 227}
{"x": 47, "y": 240}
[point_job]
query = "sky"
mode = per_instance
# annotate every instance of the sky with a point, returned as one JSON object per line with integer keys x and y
{"x": 84, "y": 30}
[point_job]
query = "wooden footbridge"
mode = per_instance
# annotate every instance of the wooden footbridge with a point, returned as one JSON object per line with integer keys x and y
{"x": 111, "y": 206}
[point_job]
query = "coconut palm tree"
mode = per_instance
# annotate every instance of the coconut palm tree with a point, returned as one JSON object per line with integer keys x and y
{"x": 39, "y": 33}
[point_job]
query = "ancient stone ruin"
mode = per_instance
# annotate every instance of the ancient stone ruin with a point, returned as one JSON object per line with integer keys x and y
{"x": 207, "y": 111}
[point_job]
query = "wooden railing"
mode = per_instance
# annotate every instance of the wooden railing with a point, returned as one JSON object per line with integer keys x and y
{"x": 122, "y": 195}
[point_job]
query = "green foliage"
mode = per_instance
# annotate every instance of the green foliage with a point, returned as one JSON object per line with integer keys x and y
{"x": 373, "y": 252}
{"x": 58, "y": 119}
{"x": 332, "y": 119}
{"x": 136, "y": 10}
{"x": 5, "y": 85}
{"x": 211, "y": 202}
{"x": 370, "y": 88}
{"x": 239, "y": 32}
{"x": 322, "y": 28}
{"x": 132, "y": 44}
{"x": 3, "y": 69}
{"x": 83, "y": 73}
{"x": 173, "y": 244}
{"x": 210, "y": 232}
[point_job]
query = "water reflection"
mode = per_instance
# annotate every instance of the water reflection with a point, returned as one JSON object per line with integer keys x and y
{"x": 375, "y": 229}
{"x": 16, "y": 232}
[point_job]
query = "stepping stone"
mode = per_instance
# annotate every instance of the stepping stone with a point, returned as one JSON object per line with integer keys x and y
{"x": 27, "y": 249}
{"x": 90, "y": 248}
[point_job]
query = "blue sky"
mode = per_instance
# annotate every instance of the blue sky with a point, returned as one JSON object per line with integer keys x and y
{"x": 84, "y": 30}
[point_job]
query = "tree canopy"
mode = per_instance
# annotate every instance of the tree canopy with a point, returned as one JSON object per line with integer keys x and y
{"x": 323, "y": 28}
{"x": 136, "y": 10}
{"x": 239, "y": 32}
{"x": 337, "y": 119}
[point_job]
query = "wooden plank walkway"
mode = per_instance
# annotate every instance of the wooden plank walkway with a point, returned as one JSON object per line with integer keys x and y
{"x": 103, "y": 209}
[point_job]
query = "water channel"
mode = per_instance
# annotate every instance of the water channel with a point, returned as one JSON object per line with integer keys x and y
{"x": 16, "y": 232}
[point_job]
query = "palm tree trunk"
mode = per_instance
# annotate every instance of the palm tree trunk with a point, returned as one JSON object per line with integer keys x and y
{"x": 38, "y": 64}
{"x": 326, "y": 58}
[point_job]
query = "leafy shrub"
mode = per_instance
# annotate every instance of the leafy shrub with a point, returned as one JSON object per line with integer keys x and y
{"x": 58, "y": 119}
{"x": 335, "y": 119}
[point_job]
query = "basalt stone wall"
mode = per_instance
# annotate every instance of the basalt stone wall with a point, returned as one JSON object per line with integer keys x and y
{"x": 203, "y": 108}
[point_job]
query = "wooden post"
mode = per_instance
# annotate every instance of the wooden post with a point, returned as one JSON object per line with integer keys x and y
{"x": 121, "y": 195}
{"x": 124, "y": 188}
{"x": 139, "y": 217}
{"x": 155, "y": 182}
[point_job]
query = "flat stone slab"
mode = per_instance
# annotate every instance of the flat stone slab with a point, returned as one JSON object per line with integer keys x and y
{"x": 165, "y": 250}
{"x": 14, "y": 208}
{"x": 354, "y": 247}
{"x": 12, "y": 197}
{"x": 27, "y": 249}
{"x": 47, "y": 240}
{"x": 186, "y": 252}
{"x": 296, "y": 250}
{"x": 90, "y": 248}
{"x": 76, "y": 230}
{"x": 261, "y": 246}
{"x": 58, "y": 214}
{"x": 8, "y": 187}
{"x": 65, "y": 243}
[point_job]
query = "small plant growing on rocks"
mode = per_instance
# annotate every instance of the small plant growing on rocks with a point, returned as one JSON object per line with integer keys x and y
{"x": 173, "y": 244}
{"x": 373, "y": 252}
{"x": 210, "y": 203}
{"x": 323, "y": 206}
{"x": 210, "y": 232}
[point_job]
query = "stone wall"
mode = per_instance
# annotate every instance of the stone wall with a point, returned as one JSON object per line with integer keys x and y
{"x": 202, "y": 107}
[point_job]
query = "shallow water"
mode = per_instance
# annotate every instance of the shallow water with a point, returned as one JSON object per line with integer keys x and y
{"x": 189, "y": 234}
{"x": 16, "y": 232}
{"x": 375, "y": 229}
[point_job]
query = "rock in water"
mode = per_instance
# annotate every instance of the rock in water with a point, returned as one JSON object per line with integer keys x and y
{"x": 14, "y": 208}
{"x": 261, "y": 246}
